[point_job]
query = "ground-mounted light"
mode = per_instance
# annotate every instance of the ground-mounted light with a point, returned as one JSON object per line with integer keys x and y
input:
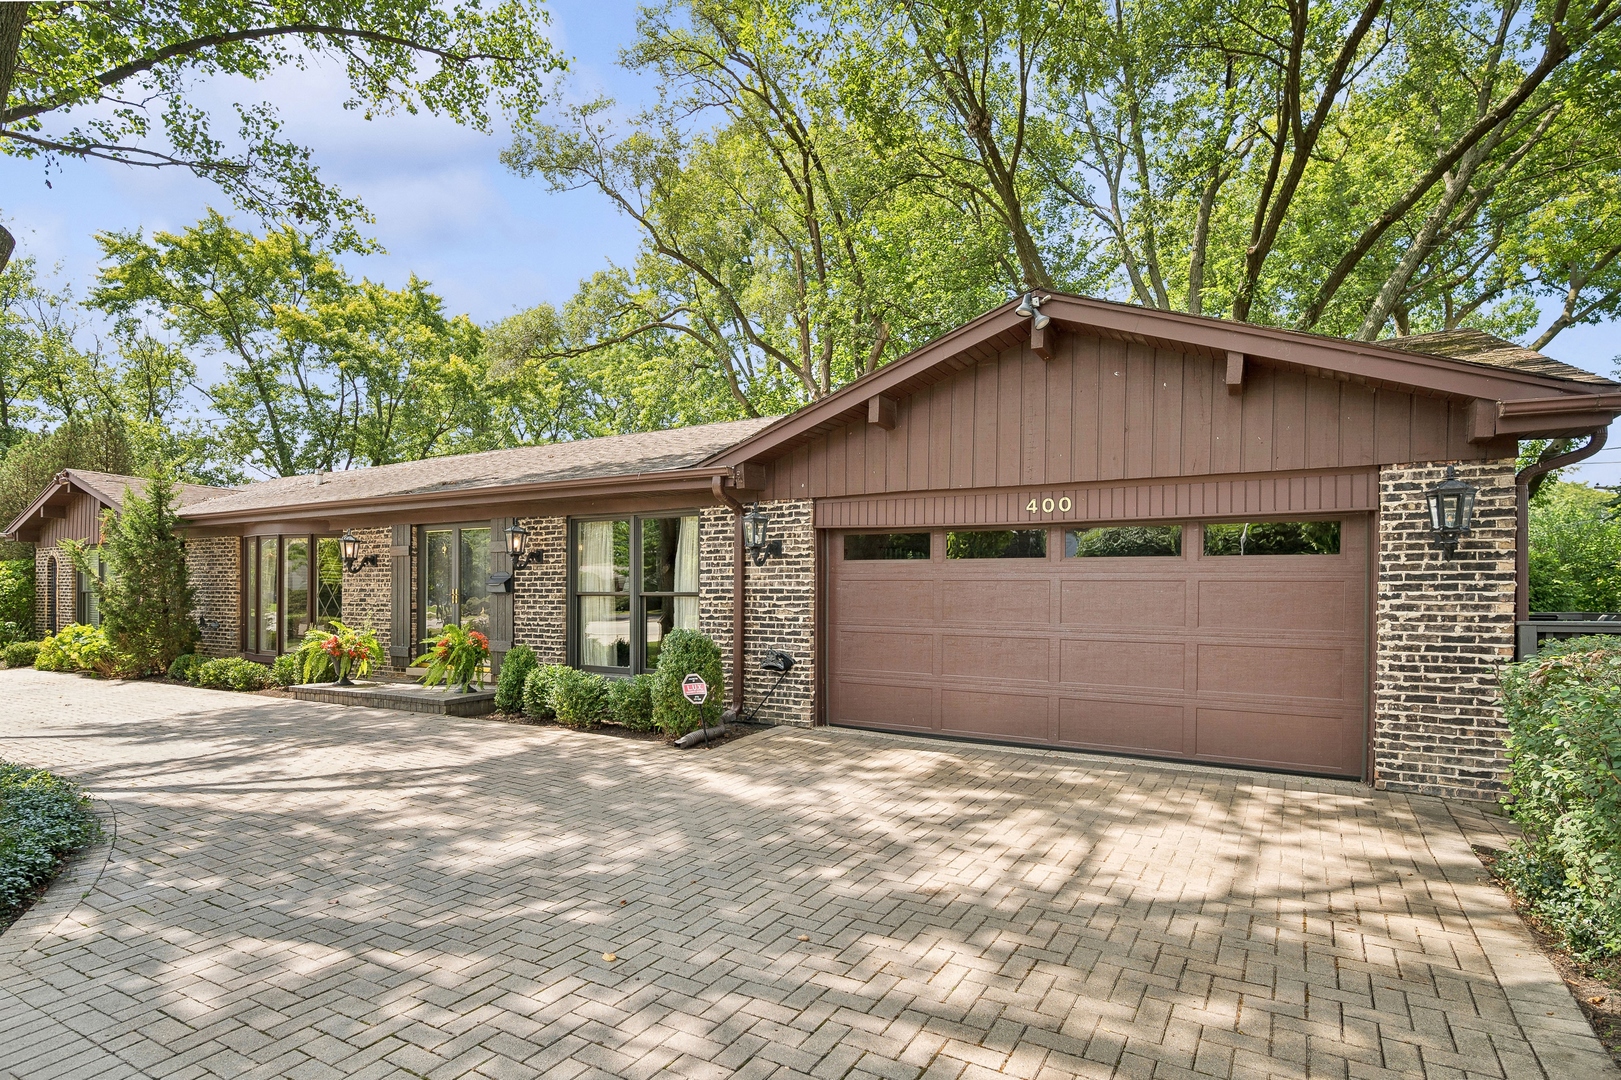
{"x": 1452, "y": 510}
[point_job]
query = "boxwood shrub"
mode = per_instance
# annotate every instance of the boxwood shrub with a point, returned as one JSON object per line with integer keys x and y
{"x": 43, "y": 818}
{"x": 683, "y": 653}
{"x": 233, "y": 673}
{"x": 515, "y": 668}
{"x": 1563, "y": 708}
{"x": 579, "y": 698}
{"x": 184, "y": 668}
{"x": 20, "y": 654}
{"x": 288, "y": 670}
{"x": 630, "y": 702}
{"x": 537, "y": 691}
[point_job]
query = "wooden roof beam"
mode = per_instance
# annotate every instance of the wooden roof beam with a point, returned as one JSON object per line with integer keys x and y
{"x": 1235, "y": 372}
{"x": 883, "y": 411}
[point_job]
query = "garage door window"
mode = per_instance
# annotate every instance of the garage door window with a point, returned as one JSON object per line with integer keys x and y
{"x": 1273, "y": 538}
{"x": 1123, "y": 541}
{"x": 997, "y": 544}
{"x": 866, "y": 546}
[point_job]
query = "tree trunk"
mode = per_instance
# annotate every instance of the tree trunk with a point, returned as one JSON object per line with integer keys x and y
{"x": 12, "y": 18}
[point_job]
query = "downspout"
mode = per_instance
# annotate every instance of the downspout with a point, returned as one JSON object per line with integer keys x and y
{"x": 1522, "y": 521}
{"x": 717, "y": 485}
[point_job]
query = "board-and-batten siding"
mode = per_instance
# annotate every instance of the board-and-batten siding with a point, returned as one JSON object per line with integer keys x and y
{"x": 1104, "y": 410}
{"x": 83, "y": 523}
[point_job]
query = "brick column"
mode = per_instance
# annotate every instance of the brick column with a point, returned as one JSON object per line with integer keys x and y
{"x": 214, "y": 564}
{"x": 367, "y": 593}
{"x": 1444, "y": 629}
{"x": 540, "y": 591}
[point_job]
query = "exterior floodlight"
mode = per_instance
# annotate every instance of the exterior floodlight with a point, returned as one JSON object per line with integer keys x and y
{"x": 1452, "y": 510}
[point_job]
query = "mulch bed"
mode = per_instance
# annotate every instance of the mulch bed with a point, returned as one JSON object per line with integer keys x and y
{"x": 1596, "y": 986}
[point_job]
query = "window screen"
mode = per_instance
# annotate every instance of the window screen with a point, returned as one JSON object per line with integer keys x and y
{"x": 997, "y": 544}
{"x": 1123, "y": 541}
{"x": 1273, "y": 538}
{"x": 887, "y": 546}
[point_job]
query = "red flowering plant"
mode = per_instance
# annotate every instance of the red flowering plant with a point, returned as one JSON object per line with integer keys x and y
{"x": 458, "y": 657}
{"x": 339, "y": 651}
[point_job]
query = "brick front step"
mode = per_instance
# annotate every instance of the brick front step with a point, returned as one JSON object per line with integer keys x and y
{"x": 406, "y": 697}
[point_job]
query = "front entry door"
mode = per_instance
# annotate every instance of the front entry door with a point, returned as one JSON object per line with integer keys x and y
{"x": 455, "y": 569}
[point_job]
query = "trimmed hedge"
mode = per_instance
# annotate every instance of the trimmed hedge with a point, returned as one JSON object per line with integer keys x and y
{"x": 579, "y": 698}
{"x": 288, "y": 670}
{"x": 630, "y": 702}
{"x": 184, "y": 668}
{"x": 683, "y": 653}
{"x": 1563, "y": 708}
{"x": 20, "y": 654}
{"x": 515, "y": 668}
{"x": 537, "y": 691}
{"x": 43, "y": 818}
{"x": 233, "y": 673}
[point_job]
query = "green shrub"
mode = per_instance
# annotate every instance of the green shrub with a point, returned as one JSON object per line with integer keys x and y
{"x": 42, "y": 819}
{"x": 288, "y": 670}
{"x": 184, "y": 668}
{"x": 233, "y": 673}
{"x": 515, "y": 668}
{"x": 21, "y": 654}
{"x": 630, "y": 702}
{"x": 537, "y": 691}
{"x": 579, "y": 698}
{"x": 683, "y": 653}
{"x": 76, "y": 647}
{"x": 1563, "y": 708}
{"x": 16, "y": 599}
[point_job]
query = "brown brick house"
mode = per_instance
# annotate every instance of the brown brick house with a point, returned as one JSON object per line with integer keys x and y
{"x": 1128, "y": 530}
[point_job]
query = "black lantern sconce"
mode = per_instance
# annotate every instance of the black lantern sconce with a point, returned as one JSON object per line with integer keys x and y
{"x": 1452, "y": 510}
{"x": 349, "y": 544}
{"x": 754, "y": 535}
{"x": 517, "y": 537}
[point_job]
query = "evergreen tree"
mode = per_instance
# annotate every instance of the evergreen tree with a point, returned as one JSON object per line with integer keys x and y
{"x": 146, "y": 596}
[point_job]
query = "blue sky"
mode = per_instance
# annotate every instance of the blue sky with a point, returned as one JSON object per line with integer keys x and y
{"x": 446, "y": 209}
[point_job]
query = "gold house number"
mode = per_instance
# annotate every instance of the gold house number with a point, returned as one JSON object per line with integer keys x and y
{"x": 1047, "y": 505}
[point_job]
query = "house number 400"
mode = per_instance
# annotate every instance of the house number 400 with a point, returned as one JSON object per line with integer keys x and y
{"x": 1046, "y": 506}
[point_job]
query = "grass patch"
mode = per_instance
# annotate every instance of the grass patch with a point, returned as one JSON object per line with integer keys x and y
{"x": 43, "y": 820}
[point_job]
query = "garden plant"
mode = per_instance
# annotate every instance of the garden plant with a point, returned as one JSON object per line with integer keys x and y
{"x": 458, "y": 658}
{"x": 683, "y": 653}
{"x": 20, "y": 654}
{"x": 515, "y": 668}
{"x": 43, "y": 819}
{"x": 340, "y": 649}
{"x": 233, "y": 673}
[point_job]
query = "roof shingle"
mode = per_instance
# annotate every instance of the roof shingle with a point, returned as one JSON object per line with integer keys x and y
{"x": 1479, "y": 347}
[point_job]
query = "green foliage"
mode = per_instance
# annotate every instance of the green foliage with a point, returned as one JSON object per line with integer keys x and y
{"x": 146, "y": 593}
{"x": 509, "y": 685}
{"x": 1575, "y": 555}
{"x": 537, "y": 691}
{"x": 1122, "y": 541}
{"x": 43, "y": 819}
{"x": 233, "y": 673}
{"x": 336, "y": 650}
{"x": 1563, "y": 708}
{"x": 76, "y": 647}
{"x": 458, "y": 657}
{"x": 20, "y": 654}
{"x": 579, "y": 698}
{"x": 1273, "y": 538}
{"x": 16, "y": 599}
{"x": 184, "y": 668}
{"x": 286, "y": 670}
{"x": 682, "y": 653}
{"x": 100, "y": 443}
{"x": 630, "y": 702}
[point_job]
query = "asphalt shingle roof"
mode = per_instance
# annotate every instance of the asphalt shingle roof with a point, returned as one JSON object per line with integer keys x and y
{"x": 110, "y": 487}
{"x": 581, "y": 459}
{"x": 1479, "y": 347}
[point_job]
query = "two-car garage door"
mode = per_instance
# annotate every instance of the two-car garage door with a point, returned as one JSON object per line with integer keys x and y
{"x": 1202, "y": 649}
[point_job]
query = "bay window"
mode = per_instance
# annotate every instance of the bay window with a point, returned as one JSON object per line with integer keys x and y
{"x": 633, "y": 579}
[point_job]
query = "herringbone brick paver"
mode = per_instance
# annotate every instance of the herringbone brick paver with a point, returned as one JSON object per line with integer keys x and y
{"x": 298, "y": 890}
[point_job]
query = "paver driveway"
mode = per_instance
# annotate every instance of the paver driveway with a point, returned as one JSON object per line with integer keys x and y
{"x": 311, "y": 891}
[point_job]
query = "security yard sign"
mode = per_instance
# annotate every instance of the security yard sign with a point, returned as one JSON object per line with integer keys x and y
{"x": 695, "y": 689}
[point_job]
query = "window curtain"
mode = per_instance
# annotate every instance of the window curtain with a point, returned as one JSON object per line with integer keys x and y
{"x": 600, "y": 630}
{"x": 686, "y": 575}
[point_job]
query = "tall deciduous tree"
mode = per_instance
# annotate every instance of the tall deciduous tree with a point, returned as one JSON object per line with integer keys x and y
{"x": 114, "y": 80}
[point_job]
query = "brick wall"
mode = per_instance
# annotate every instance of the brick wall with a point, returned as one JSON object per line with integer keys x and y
{"x": 779, "y": 607}
{"x": 540, "y": 591}
{"x": 368, "y": 592}
{"x": 65, "y": 592}
{"x": 1443, "y": 631}
{"x": 213, "y": 563}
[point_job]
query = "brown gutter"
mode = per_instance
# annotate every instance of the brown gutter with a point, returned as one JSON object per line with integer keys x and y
{"x": 1563, "y": 403}
{"x": 718, "y": 486}
{"x": 1522, "y": 521}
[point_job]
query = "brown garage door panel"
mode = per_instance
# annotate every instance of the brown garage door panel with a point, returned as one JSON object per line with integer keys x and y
{"x": 866, "y": 599}
{"x": 1020, "y": 717}
{"x": 1284, "y": 740}
{"x": 1111, "y": 603}
{"x": 882, "y": 705}
{"x": 1285, "y": 671}
{"x": 876, "y": 651}
{"x": 985, "y": 657}
{"x": 1151, "y": 665}
{"x": 1279, "y": 605}
{"x": 1120, "y": 725}
{"x": 998, "y": 603}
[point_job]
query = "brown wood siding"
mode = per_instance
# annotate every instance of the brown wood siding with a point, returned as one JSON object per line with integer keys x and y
{"x": 1259, "y": 496}
{"x": 1104, "y": 410}
{"x": 82, "y": 523}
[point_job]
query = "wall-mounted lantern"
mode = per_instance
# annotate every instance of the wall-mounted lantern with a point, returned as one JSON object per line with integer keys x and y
{"x": 754, "y": 535}
{"x": 1452, "y": 510}
{"x": 349, "y": 544}
{"x": 517, "y": 537}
